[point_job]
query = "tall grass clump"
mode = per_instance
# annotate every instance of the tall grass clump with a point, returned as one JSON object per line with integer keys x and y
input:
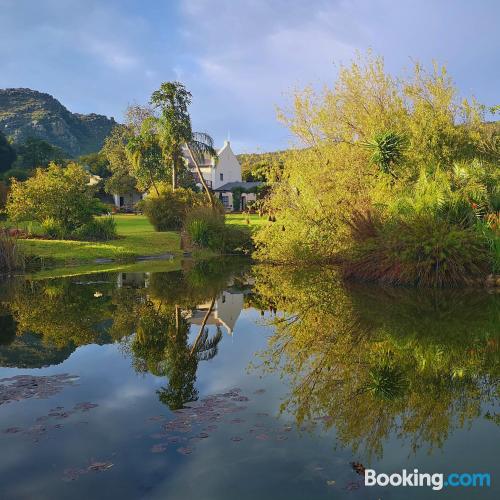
{"x": 11, "y": 256}
{"x": 207, "y": 229}
{"x": 98, "y": 229}
{"x": 424, "y": 251}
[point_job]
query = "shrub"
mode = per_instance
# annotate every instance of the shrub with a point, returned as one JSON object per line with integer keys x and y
{"x": 167, "y": 211}
{"x": 62, "y": 194}
{"x": 11, "y": 256}
{"x": 53, "y": 229}
{"x": 237, "y": 240}
{"x": 99, "y": 229}
{"x": 205, "y": 227}
{"x": 423, "y": 251}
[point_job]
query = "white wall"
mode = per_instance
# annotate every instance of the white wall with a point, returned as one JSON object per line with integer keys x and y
{"x": 228, "y": 166}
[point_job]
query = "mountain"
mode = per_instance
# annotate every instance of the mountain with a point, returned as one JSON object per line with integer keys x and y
{"x": 28, "y": 113}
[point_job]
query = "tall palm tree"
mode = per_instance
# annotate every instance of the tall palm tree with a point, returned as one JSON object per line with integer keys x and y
{"x": 175, "y": 132}
{"x": 199, "y": 147}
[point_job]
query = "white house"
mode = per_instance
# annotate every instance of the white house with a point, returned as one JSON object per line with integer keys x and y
{"x": 222, "y": 175}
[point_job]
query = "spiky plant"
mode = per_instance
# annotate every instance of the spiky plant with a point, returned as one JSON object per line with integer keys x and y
{"x": 387, "y": 151}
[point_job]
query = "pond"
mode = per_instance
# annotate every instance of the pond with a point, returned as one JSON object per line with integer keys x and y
{"x": 229, "y": 380}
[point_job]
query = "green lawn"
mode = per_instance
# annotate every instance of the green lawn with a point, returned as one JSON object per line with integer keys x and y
{"x": 137, "y": 238}
{"x": 241, "y": 220}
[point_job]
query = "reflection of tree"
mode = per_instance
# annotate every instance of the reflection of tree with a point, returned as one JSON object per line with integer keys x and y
{"x": 375, "y": 363}
{"x": 60, "y": 311}
{"x": 161, "y": 347}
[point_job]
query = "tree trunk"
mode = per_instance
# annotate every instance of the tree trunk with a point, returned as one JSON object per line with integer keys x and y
{"x": 202, "y": 180}
{"x": 154, "y": 184}
{"x": 174, "y": 176}
{"x": 203, "y": 324}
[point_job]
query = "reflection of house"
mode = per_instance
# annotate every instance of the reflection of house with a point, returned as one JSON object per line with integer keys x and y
{"x": 133, "y": 280}
{"x": 222, "y": 174}
{"x": 225, "y": 312}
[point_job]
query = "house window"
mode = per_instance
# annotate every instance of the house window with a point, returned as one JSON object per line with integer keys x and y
{"x": 225, "y": 201}
{"x": 221, "y": 177}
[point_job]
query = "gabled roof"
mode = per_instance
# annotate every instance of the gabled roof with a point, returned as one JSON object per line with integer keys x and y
{"x": 229, "y": 186}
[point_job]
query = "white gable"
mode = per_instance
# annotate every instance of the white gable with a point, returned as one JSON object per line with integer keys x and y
{"x": 227, "y": 168}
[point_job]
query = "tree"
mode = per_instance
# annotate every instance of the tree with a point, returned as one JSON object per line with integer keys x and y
{"x": 145, "y": 154}
{"x": 61, "y": 194}
{"x": 175, "y": 131}
{"x": 35, "y": 153}
{"x": 7, "y": 154}
{"x": 114, "y": 149}
{"x": 97, "y": 163}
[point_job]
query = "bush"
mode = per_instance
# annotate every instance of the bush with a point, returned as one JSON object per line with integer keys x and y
{"x": 237, "y": 240}
{"x": 423, "y": 251}
{"x": 99, "y": 229}
{"x": 167, "y": 211}
{"x": 59, "y": 193}
{"x": 11, "y": 257}
{"x": 53, "y": 229}
{"x": 205, "y": 227}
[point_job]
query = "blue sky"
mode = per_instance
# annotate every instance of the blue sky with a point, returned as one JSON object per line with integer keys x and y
{"x": 240, "y": 58}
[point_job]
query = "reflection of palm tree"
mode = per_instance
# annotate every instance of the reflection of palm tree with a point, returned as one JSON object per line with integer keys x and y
{"x": 161, "y": 347}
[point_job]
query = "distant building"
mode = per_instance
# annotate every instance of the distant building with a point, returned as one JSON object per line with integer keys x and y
{"x": 221, "y": 174}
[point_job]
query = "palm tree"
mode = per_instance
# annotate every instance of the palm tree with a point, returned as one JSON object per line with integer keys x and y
{"x": 199, "y": 147}
{"x": 175, "y": 132}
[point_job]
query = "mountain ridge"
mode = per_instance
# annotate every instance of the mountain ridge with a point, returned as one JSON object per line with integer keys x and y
{"x": 28, "y": 113}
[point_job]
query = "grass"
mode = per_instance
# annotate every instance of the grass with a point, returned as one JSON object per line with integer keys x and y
{"x": 241, "y": 220}
{"x": 137, "y": 238}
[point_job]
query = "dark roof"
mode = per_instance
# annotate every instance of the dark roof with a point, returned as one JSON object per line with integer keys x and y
{"x": 229, "y": 186}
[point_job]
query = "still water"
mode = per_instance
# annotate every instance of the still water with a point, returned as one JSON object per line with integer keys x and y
{"x": 223, "y": 381}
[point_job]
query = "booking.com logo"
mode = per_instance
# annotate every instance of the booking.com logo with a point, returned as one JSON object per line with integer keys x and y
{"x": 436, "y": 481}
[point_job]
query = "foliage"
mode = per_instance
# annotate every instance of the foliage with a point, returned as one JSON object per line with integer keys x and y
{"x": 387, "y": 151}
{"x": 205, "y": 227}
{"x": 62, "y": 194}
{"x": 97, "y": 163}
{"x": 98, "y": 229}
{"x": 19, "y": 174}
{"x": 167, "y": 210}
{"x": 175, "y": 133}
{"x": 145, "y": 155}
{"x": 3, "y": 194}
{"x": 53, "y": 229}
{"x": 7, "y": 154}
{"x": 35, "y": 153}
{"x": 422, "y": 251}
{"x": 374, "y": 362}
{"x": 265, "y": 167}
{"x": 397, "y": 148}
{"x": 114, "y": 149}
{"x": 11, "y": 256}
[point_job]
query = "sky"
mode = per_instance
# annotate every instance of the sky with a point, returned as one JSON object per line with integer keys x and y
{"x": 241, "y": 59}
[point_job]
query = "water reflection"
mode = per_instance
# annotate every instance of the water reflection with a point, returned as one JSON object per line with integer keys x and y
{"x": 375, "y": 364}
{"x": 381, "y": 363}
{"x": 151, "y": 314}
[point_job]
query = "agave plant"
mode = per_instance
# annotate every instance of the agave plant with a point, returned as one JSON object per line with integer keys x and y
{"x": 387, "y": 151}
